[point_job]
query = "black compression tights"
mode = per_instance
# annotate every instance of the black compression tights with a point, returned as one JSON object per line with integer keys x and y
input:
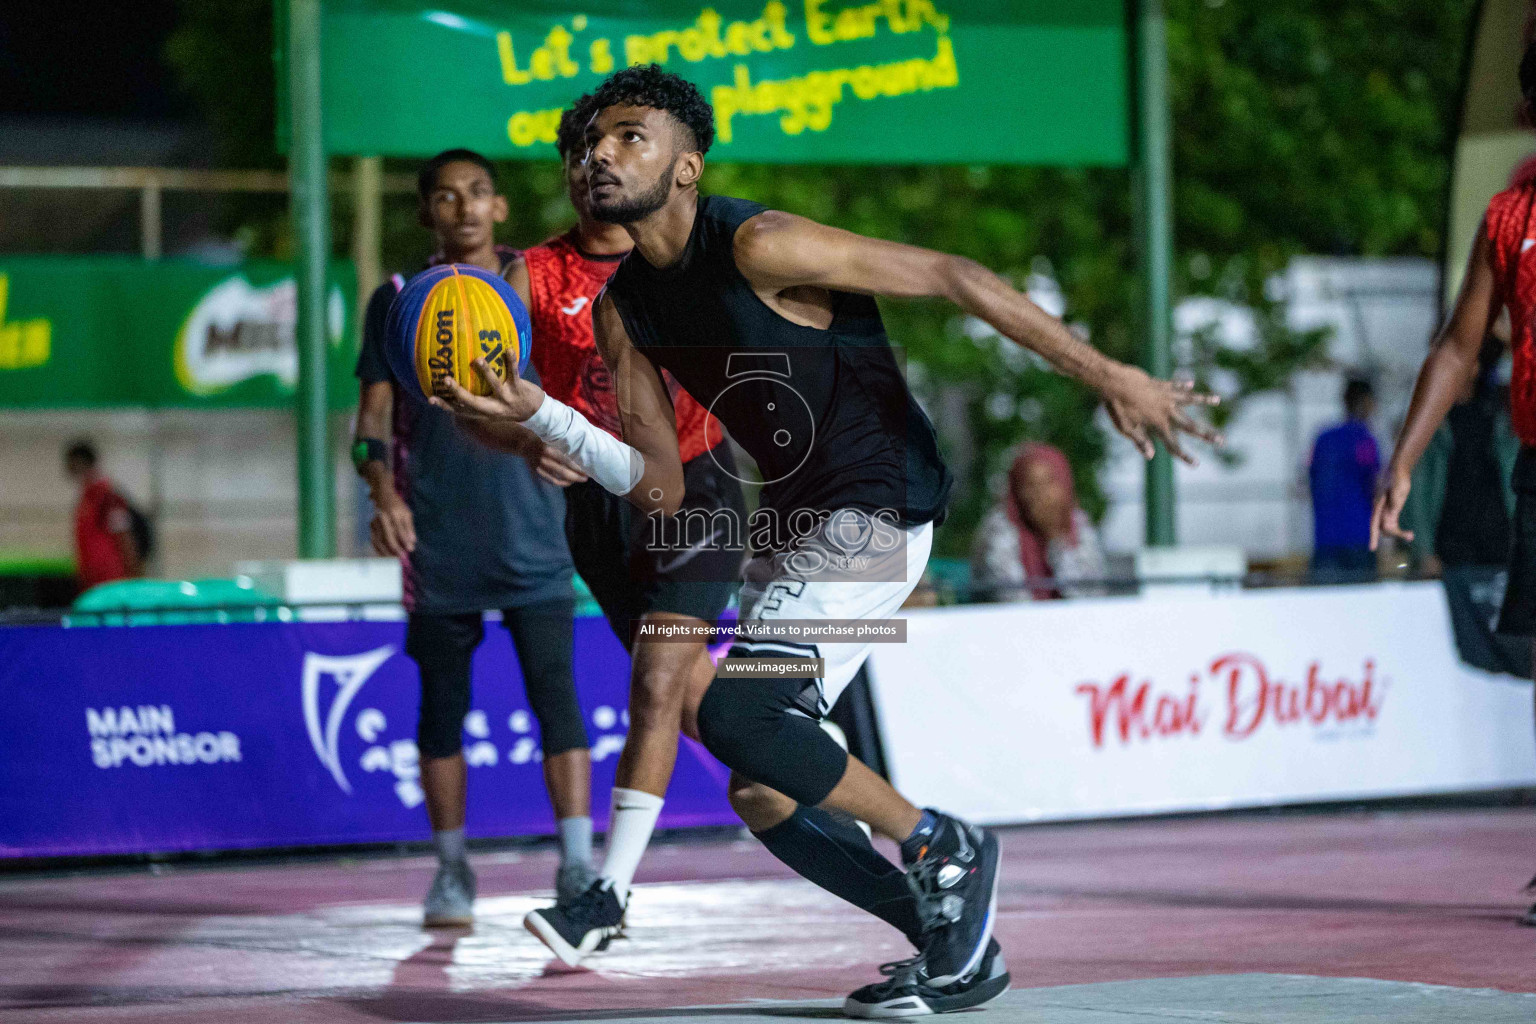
{"x": 443, "y": 646}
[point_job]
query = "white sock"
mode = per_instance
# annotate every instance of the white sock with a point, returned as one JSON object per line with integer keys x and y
{"x": 629, "y": 831}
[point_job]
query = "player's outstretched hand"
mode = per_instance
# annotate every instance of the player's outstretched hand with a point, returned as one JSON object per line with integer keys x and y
{"x": 1143, "y": 408}
{"x": 516, "y": 399}
{"x": 1390, "y": 499}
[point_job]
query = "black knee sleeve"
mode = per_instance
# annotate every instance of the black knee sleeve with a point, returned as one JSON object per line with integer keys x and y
{"x": 442, "y": 647}
{"x": 543, "y": 637}
{"x": 750, "y": 726}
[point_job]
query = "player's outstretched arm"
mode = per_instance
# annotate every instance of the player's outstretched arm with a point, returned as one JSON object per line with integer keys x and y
{"x": 777, "y": 251}
{"x": 1451, "y": 362}
{"x": 646, "y": 415}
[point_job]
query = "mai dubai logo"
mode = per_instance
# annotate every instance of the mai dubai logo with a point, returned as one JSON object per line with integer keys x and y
{"x": 238, "y": 331}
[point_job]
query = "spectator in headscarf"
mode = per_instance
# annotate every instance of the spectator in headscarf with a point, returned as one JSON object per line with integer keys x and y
{"x": 1036, "y": 543}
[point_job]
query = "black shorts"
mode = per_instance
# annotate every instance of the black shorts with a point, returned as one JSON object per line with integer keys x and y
{"x": 688, "y": 564}
{"x": 1517, "y": 614}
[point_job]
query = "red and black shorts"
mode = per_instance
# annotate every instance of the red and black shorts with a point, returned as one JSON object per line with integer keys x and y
{"x": 688, "y": 564}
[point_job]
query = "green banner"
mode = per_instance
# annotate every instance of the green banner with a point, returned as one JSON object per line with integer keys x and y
{"x": 118, "y": 331}
{"x": 797, "y": 81}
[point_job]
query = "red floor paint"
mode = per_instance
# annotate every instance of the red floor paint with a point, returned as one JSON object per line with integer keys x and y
{"x": 1428, "y": 897}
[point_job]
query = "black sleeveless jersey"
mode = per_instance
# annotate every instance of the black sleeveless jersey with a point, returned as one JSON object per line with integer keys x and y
{"x": 826, "y": 414}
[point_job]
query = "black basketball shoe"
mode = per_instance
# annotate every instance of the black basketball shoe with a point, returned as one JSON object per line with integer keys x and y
{"x": 954, "y": 878}
{"x": 909, "y": 993}
{"x": 582, "y": 926}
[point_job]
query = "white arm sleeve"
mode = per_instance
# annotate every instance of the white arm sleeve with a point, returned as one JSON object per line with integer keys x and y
{"x": 613, "y": 464}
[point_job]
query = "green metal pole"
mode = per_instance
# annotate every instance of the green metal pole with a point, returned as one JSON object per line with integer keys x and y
{"x": 311, "y": 229}
{"x": 1152, "y": 171}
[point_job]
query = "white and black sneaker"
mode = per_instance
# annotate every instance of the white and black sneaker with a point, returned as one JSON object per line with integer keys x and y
{"x": 954, "y": 879}
{"x": 909, "y": 993}
{"x": 582, "y": 926}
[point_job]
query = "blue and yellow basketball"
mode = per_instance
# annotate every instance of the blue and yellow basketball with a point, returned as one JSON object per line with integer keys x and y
{"x": 447, "y": 316}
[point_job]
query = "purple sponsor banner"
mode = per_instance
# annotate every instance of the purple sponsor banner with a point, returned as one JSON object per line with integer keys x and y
{"x": 196, "y": 737}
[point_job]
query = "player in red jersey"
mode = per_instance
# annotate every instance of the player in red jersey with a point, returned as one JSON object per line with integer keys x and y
{"x": 1501, "y": 275}
{"x": 682, "y": 574}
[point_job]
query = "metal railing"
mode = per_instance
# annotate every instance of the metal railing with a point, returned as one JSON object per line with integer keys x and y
{"x": 933, "y": 592}
{"x": 152, "y": 182}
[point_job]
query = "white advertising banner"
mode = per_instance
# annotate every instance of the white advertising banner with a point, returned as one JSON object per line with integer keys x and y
{"x": 1072, "y": 709}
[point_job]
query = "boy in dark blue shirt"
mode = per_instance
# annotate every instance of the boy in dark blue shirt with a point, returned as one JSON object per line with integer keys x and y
{"x": 1345, "y": 464}
{"x": 475, "y": 531}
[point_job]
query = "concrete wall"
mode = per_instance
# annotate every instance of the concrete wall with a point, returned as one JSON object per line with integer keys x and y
{"x": 1382, "y": 313}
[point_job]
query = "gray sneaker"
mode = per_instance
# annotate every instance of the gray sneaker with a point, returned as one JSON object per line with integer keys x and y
{"x": 571, "y": 880}
{"x": 450, "y": 901}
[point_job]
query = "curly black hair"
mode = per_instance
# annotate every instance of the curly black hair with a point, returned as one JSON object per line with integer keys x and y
{"x": 647, "y": 85}
{"x": 571, "y": 135}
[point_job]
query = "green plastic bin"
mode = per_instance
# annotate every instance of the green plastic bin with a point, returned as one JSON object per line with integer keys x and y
{"x": 173, "y": 602}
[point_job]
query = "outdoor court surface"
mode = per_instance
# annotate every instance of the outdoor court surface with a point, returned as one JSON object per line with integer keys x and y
{"x": 1402, "y": 916}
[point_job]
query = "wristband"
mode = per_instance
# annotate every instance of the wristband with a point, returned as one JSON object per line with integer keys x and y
{"x": 366, "y": 450}
{"x": 613, "y": 464}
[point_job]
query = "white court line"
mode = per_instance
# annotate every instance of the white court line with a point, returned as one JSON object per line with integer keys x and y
{"x": 676, "y": 930}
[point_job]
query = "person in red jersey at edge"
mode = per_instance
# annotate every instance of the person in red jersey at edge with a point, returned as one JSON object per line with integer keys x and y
{"x": 105, "y": 548}
{"x": 686, "y": 579}
{"x": 1501, "y": 274}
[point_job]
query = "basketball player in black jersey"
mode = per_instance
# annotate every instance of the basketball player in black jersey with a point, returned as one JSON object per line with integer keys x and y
{"x": 768, "y": 320}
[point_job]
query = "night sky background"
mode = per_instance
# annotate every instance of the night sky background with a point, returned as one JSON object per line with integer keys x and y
{"x": 103, "y": 59}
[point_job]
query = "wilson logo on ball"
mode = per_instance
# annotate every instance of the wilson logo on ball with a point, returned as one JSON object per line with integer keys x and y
{"x": 448, "y": 316}
{"x": 443, "y": 362}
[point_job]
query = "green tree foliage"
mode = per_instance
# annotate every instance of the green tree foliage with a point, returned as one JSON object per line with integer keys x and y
{"x": 1300, "y": 126}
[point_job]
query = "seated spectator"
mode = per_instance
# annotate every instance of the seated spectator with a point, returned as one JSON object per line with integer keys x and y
{"x": 106, "y": 547}
{"x": 1036, "y": 543}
